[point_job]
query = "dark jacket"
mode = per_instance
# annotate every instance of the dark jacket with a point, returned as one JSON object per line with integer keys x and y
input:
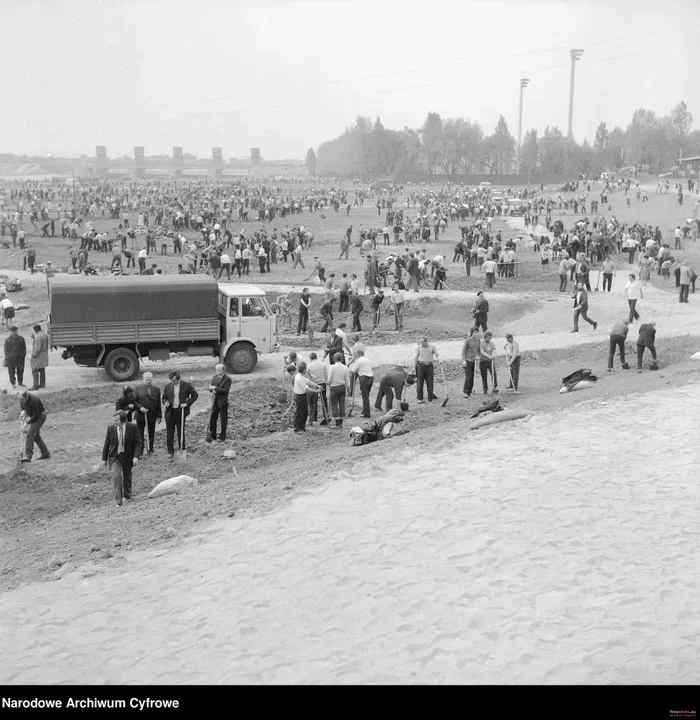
{"x": 15, "y": 348}
{"x": 647, "y": 335}
{"x": 132, "y": 445}
{"x": 33, "y": 408}
{"x": 123, "y": 403}
{"x": 584, "y": 299}
{"x": 396, "y": 379}
{"x": 221, "y": 391}
{"x": 151, "y": 402}
{"x": 481, "y": 310}
{"x": 357, "y": 307}
{"x": 188, "y": 395}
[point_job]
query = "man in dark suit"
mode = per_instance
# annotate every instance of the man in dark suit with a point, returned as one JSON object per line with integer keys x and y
{"x": 581, "y": 307}
{"x": 178, "y": 396}
{"x": 147, "y": 400}
{"x": 120, "y": 453}
{"x": 219, "y": 388}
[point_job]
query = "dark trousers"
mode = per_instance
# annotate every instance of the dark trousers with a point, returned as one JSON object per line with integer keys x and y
{"x": 514, "y": 373}
{"x": 486, "y": 367}
{"x": 172, "y": 426}
{"x": 337, "y": 398}
{"x": 16, "y": 366}
{"x": 634, "y": 315}
{"x": 683, "y": 293}
{"x": 386, "y": 389}
{"x": 616, "y": 341}
{"x": 489, "y": 280}
{"x": 365, "y": 387}
{"x": 216, "y": 413}
{"x": 562, "y": 282}
{"x": 141, "y": 425}
{"x": 480, "y": 324}
{"x": 312, "y": 399}
{"x": 121, "y": 475}
{"x": 34, "y": 436}
{"x": 581, "y": 313}
{"x": 301, "y": 411}
{"x": 356, "y": 326}
{"x": 640, "y": 354}
{"x": 344, "y": 304}
{"x": 328, "y": 318}
{"x": 469, "y": 377}
{"x": 303, "y": 320}
{"x": 39, "y": 378}
{"x": 607, "y": 281}
{"x": 424, "y": 375}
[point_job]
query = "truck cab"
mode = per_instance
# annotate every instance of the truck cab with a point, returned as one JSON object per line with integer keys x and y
{"x": 248, "y": 326}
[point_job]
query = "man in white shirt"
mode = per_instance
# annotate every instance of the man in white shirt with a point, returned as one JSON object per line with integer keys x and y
{"x": 317, "y": 371}
{"x": 489, "y": 267}
{"x": 225, "y": 266}
{"x": 633, "y": 292}
{"x": 362, "y": 368}
{"x": 425, "y": 354}
{"x": 142, "y": 257}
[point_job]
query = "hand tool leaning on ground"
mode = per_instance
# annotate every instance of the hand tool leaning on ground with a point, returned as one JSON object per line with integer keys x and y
{"x": 207, "y": 434}
{"x": 352, "y": 396}
{"x": 444, "y": 382}
{"x": 146, "y": 433}
{"x": 22, "y": 436}
{"x": 597, "y": 281}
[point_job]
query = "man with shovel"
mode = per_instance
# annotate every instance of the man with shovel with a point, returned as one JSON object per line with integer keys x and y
{"x": 148, "y": 404}
{"x": 219, "y": 388}
{"x": 178, "y": 396}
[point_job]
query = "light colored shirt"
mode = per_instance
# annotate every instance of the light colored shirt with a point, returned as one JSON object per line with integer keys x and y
{"x": 362, "y": 367}
{"x": 633, "y": 290}
{"x": 225, "y": 259}
{"x": 338, "y": 375}
{"x": 318, "y": 371}
{"x": 120, "y": 435}
{"x": 426, "y": 354}
{"x": 512, "y": 349}
{"x": 301, "y": 383}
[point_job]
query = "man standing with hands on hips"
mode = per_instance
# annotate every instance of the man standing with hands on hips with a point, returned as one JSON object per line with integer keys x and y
{"x": 178, "y": 396}
{"x": 147, "y": 401}
{"x": 424, "y": 355}
{"x": 120, "y": 453}
{"x": 219, "y": 388}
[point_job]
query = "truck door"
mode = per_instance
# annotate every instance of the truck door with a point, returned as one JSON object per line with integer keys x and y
{"x": 233, "y": 319}
{"x": 258, "y": 322}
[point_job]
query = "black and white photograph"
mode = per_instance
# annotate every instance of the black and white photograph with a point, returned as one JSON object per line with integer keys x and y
{"x": 348, "y": 343}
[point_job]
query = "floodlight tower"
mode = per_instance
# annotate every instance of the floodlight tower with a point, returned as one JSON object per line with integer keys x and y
{"x": 575, "y": 55}
{"x": 523, "y": 85}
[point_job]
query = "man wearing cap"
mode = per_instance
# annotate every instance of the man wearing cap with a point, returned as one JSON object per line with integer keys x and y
{"x": 618, "y": 335}
{"x": 147, "y": 401}
{"x": 219, "y": 387}
{"x": 15, "y": 352}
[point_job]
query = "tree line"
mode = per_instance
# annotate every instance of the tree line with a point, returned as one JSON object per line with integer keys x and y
{"x": 456, "y": 146}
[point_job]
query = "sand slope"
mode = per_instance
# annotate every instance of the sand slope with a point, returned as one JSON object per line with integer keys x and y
{"x": 516, "y": 556}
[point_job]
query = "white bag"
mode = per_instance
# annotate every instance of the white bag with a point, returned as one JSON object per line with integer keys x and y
{"x": 172, "y": 485}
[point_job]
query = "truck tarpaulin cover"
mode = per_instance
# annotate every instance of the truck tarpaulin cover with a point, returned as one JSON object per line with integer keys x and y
{"x": 76, "y": 299}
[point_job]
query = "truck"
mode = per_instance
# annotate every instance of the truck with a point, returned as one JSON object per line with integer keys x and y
{"x": 116, "y": 322}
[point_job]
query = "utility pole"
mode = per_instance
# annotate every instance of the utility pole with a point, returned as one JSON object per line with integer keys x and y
{"x": 575, "y": 55}
{"x": 523, "y": 85}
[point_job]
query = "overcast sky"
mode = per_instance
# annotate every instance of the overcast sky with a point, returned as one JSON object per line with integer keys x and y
{"x": 284, "y": 76}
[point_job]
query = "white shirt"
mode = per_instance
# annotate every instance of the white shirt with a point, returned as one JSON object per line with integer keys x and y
{"x": 143, "y": 253}
{"x": 318, "y": 371}
{"x": 301, "y": 383}
{"x": 633, "y": 291}
{"x": 6, "y": 303}
{"x": 176, "y": 395}
{"x": 362, "y": 367}
{"x": 342, "y": 334}
{"x": 225, "y": 259}
{"x": 120, "y": 436}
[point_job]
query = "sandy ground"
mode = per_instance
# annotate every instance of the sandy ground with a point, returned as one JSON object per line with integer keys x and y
{"x": 556, "y": 562}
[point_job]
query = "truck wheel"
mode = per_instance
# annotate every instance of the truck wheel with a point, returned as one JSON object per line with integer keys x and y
{"x": 122, "y": 365}
{"x": 241, "y": 359}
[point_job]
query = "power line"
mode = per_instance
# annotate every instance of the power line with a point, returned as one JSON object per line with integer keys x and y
{"x": 510, "y": 73}
{"x": 398, "y": 72}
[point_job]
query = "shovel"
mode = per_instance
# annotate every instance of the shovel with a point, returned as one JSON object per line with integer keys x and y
{"x": 444, "y": 382}
{"x": 282, "y": 398}
{"x": 207, "y": 434}
{"x": 352, "y": 396}
{"x": 182, "y": 453}
{"x": 596, "y": 285}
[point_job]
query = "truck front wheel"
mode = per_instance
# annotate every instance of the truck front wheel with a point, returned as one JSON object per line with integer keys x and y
{"x": 241, "y": 359}
{"x": 122, "y": 365}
